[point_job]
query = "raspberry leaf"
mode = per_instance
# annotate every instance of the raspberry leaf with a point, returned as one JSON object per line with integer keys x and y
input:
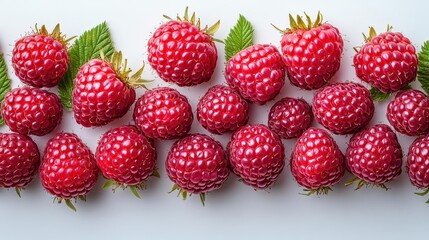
{"x": 88, "y": 46}
{"x": 4, "y": 82}
{"x": 378, "y": 95}
{"x": 239, "y": 37}
{"x": 423, "y": 67}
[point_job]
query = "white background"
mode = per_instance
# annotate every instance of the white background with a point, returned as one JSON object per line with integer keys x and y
{"x": 236, "y": 211}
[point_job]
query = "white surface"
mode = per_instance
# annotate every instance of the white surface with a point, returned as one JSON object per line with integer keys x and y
{"x": 236, "y": 211}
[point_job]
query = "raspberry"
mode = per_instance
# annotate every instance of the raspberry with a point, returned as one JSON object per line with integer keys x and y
{"x": 408, "y": 113}
{"x": 256, "y": 155}
{"x": 317, "y": 163}
{"x": 163, "y": 113}
{"x": 41, "y": 59}
{"x": 418, "y": 164}
{"x": 197, "y": 164}
{"x": 290, "y": 117}
{"x": 103, "y": 91}
{"x": 126, "y": 156}
{"x": 222, "y": 110}
{"x": 374, "y": 156}
{"x": 31, "y": 111}
{"x": 19, "y": 160}
{"x": 343, "y": 108}
{"x": 257, "y": 73}
{"x": 387, "y": 61}
{"x": 180, "y": 52}
{"x": 312, "y": 53}
{"x": 68, "y": 168}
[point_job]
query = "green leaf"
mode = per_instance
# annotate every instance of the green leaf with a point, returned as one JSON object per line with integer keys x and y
{"x": 423, "y": 67}
{"x": 85, "y": 48}
{"x": 4, "y": 83}
{"x": 378, "y": 95}
{"x": 239, "y": 37}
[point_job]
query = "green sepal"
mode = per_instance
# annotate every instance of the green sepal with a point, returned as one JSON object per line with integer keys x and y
{"x": 70, "y": 205}
{"x": 361, "y": 183}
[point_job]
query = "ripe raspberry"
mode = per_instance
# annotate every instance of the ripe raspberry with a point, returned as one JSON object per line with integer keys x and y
{"x": 374, "y": 156}
{"x": 387, "y": 61}
{"x": 126, "y": 157}
{"x": 19, "y": 160}
{"x": 317, "y": 163}
{"x": 408, "y": 113}
{"x": 222, "y": 110}
{"x": 256, "y": 155}
{"x": 68, "y": 168}
{"x": 197, "y": 164}
{"x": 103, "y": 91}
{"x": 257, "y": 73}
{"x": 312, "y": 52}
{"x": 182, "y": 53}
{"x": 290, "y": 117}
{"x": 343, "y": 108}
{"x": 163, "y": 113}
{"x": 31, "y": 111}
{"x": 41, "y": 59}
{"x": 418, "y": 164}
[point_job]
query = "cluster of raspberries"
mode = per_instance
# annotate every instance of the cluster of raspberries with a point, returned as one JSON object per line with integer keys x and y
{"x": 182, "y": 53}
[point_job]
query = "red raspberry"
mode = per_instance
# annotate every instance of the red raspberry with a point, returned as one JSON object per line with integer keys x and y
{"x": 312, "y": 53}
{"x": 222, "y": 110}
{"x": 41, "y": 59}
{"x": 317, "y": 163}
{"x": 374, "y": 156}
{"x": 418, "y": 164}
{"x": 256, "y": 155}
{"x": 126, "y": 156}
{"x": 103, "y": 91}
{"x": 31, "y": 111}
{"x": 290, "y": 117}
{"x": 408, "y": 113}
{"x": 68, "y": 168}
{"x": 387, "y": 61}
{"x": 343, "y": 108}
{"x": 197, "y": 164}
{"x": 257, "y": 73}
{"x": 19, "y": 160}
{"x": 163, "y": 113}
{"x": 180, "y": 52}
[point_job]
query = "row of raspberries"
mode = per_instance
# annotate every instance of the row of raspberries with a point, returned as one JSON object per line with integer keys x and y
{"x": 183, "y": 53}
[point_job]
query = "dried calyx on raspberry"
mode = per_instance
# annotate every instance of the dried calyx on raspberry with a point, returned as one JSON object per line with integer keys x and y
{"x": 361, "y": 183}
{"x": 119, "y": 65}
{"x": 299, "y": 24}
{"x": 55, "y": 34}
{"x": 184, "y": 193}
{"x": 133, "y": 188}
{"x": 209, "y": 30}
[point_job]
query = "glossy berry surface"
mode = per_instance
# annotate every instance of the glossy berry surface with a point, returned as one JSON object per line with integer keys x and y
{"x": 343, "y": 108}
{"x": 100, "y": 96}
{"x": 31, "y": 111}
{"x": 257, "y": 73}
{"x": 290, "y": 117}
{"x": 408, "y": 113}
{"x": 163, "y": 113}
{"x": 39, "y": 60}
{"x": 197, "y": 164}
{"x": 374, "y": 154}
{"x": 125, "y": 155}
{"x": 256, "y": 155}
{"x": 316, "y": 160}
{"x": 222, "y": 110}
{"x": 182, "y": 54}
{"x": 418, "y": 162}
{"x": 19, "y": 159}
{"x": 68, "y": 168}
{"x": 387, "y": 62}
{"x": 312, "y": 56}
